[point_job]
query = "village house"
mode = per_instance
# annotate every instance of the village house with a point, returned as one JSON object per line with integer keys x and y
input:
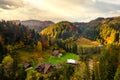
{"x": 57, "y": 53}
{"x": 26, "y": 65}
{"x": 48, "y": 68}
{"x": 44, "y": 68}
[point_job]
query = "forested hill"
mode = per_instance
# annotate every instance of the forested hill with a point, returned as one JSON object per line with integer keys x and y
{"x": 104, "y": 30}
{"x": 12, "y": 34}
{"x": 37, "y": 25}
{"x": 63, "y": 30}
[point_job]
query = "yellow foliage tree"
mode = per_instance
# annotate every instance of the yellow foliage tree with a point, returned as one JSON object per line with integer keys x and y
{"x": 7, "y": 61}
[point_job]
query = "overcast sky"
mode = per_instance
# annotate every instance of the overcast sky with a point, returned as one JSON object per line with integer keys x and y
{"x": 58, "y": 10}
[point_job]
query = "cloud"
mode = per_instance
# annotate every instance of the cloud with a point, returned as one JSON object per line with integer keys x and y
{"x": 57, "y": 10}
{"x": 110, "y": 1}
{"x": 105, "y": 6}
{"x": 10, "y": 4}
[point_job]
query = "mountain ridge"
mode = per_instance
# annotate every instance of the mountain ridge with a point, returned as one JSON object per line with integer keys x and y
{"x": 36, "y": 24}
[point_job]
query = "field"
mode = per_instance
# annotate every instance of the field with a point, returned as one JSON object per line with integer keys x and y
{"x": 62, "y": 59}
{"x": 42, "y": 57}
{"x": 29, "y": 55}
{"x": 87, "y": 42}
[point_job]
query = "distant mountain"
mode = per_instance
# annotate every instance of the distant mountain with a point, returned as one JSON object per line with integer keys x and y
{"x": 33, "y": 24}
{"x": 37, "y": 24}
{"x": 105, "y": 30}
{"x": 111, "y": 20}
{"x": 92, "y": 23}
{"x": 99, "y": 21}
{"x": 61, "y": 30}
{"x": 89, "y": 30}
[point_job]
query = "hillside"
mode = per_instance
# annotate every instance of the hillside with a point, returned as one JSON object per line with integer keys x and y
{"x": 105, "y": 30}
{"x": 111, "y": 20}
{"x": 61, "y": 30}
{"x": 84, "y": 41}
{"x": 89, "y": 30}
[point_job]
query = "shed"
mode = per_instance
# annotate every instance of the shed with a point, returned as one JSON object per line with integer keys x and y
{"x": 44, "y": 68}
{"x": 60, "y": 55}
{"x": 55, "y": 52}
{"x": 72, "y": 61}
{"x": 26, "y": 65}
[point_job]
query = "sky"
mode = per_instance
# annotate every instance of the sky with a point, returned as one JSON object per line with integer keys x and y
{"x": 58, "y": 10}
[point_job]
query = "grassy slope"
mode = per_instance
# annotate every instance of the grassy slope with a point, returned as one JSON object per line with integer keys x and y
{"x": 26, "y": 55}
{"x": 60, "y": 29}
{"x": 86, "y": 42}
{"x": 29, "y": 55}
{"x": 62, "y": 59}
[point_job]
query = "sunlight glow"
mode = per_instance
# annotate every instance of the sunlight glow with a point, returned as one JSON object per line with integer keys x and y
{"x": 47, "y": 6}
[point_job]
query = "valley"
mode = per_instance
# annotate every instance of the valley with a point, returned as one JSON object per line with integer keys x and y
{"x": 60, "y": 51}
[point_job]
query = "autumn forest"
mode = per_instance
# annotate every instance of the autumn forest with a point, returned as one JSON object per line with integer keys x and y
{"x": 44, "y": 50}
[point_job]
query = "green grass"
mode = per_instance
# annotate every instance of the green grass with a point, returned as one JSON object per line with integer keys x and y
{"x": 29, "y": 56}
{"x": 62, "y": 59}
{"x": 34, "y": 64}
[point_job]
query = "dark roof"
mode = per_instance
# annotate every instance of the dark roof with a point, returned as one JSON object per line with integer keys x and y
{"x": 55, "y": 52}
{"x": 26, "y": 65}
{"x": 44, "y": 68}
{"x": 39, "y": 64}
{"x": 40, "y": 67}
{"x": 47, "y": 67}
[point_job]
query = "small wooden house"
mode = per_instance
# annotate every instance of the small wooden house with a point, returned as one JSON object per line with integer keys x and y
{"x": 26, "y": 65}
{"x": 48, "y": 68}
{"x": 55, "y": 52}
{"x": 44, "y": 68}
